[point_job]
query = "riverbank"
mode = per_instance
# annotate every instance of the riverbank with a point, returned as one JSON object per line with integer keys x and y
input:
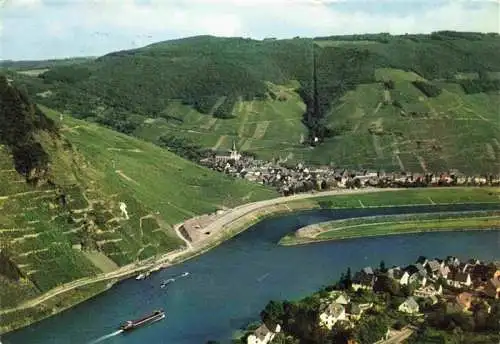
{"x": 393, "y": 225}
{"x": 240, "y": 218}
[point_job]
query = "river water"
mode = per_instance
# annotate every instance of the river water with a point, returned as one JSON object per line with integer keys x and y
{"x": 229, "y": 286}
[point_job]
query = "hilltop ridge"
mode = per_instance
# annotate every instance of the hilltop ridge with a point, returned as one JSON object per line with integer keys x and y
{"x": 377, "y": 101}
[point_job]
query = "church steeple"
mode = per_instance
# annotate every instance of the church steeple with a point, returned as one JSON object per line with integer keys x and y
{"x": 234, "y": 153}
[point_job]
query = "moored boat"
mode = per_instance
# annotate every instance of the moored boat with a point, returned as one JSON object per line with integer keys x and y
{"x": 133, "y": 324}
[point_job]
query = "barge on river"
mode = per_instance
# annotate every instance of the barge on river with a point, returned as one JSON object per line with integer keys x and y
{"x": 133, "y": 324}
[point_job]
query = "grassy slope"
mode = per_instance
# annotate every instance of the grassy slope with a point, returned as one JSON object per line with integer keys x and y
{"x": 396, "y": 224}
{"x": 460, "y": 132}
{"x": 401, "y": 198}
{"x": 139, "y": 92}
{"x": 159, "y": 188}
{"x": 269, "y": 127}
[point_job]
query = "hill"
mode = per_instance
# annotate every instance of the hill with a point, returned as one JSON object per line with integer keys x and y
{"x": 61, "y": 185}
{"x": 411, "y": 102}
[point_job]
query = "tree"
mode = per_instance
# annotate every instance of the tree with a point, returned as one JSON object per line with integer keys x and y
{"x": 273, "y": 313}
{"x": 389, "y": 84}
{"x": 371, "y": 329}
{"x": 386, "y": 284}
{"x": 382, "y": 267}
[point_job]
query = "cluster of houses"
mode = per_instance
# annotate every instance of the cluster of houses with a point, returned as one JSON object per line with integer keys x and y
{"x": 340, "y": 309}
{"x": 300, "y": 178}
{"x": 458, "y": 284}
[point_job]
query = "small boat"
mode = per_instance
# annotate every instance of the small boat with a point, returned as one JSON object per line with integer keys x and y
{"x": 133, "y": 324}
{"x": 184, "y": 274}
{"x": 140, "y": 277}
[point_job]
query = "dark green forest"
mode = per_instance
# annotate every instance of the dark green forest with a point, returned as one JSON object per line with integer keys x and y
{"x": 20, "y": 120}
{"x": 200, "y": 71}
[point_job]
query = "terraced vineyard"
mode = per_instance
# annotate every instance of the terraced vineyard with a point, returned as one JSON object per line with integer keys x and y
{"x": 404, "y": 129}
{"x": 73, "y": 224}
{"x": 271, "y": 128}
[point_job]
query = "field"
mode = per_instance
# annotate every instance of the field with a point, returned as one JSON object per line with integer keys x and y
{"x": 422, "y": 134}
{"x": 96, "y": 169}
{"x": 270, "y": 128}
{"x": 394, "y": 224}
{"x": 427, "y": 196}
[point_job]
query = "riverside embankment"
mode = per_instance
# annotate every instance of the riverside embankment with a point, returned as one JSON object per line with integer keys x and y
{"x": 236, "y": 220}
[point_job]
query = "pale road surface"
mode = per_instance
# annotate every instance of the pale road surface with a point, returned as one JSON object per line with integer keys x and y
{"x": 398, "y": 338}
{"x": 218, "y": 228}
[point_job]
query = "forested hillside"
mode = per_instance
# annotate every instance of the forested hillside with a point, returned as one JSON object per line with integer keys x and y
{"x": 362, "y": 96}
{"x": 62, "y": 181}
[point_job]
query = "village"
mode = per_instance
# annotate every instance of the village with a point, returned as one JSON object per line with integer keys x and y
{"x": 298, "y": 178}
{"x": 416, "y": 292}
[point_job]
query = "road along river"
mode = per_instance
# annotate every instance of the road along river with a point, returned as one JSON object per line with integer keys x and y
{"x": 229, "y": 285}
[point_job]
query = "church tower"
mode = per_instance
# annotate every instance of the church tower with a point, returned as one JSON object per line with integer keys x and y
{"x": 234, "y": 153}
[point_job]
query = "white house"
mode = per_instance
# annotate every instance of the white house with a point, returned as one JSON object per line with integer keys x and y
{"x": 342, "y": 299}
{"x": 410, "y": 306}
{"x": 428, "y": 291}
{"x": 404, "y": 278}
{"x": 330, "y": 314}
{"x": 263, "y": 335}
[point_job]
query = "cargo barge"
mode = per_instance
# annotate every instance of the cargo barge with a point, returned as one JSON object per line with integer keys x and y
{"x": 133, "y": 324}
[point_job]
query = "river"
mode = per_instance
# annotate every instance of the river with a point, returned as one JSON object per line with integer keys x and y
{"x": 229, "y": 286}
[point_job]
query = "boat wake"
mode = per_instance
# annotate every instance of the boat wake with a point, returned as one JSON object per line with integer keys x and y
{"x": 103, "y": 338}
{"x": 171, "y": 280}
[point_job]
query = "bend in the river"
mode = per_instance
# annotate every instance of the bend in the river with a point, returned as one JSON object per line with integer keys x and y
{"x": 229, "y": 285}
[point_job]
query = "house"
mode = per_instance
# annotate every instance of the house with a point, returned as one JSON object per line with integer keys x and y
{"x": 433, "y": 267}
{"x": 398, "y": 275}
{"x": 460, "y": 279}
{"x": 492, "y": 288}
{"x": 342, "y": 299}
{"x": 496, "y": 264}
{"x": 481, "y": 273}
{"x": 423, "y": 282}
{"x": 452, "y": 261}
{"x": 433, "y": 299}
{"x": 263, "y": 335}
{"x": 363, "y": 280}
{"x": 410, "y": 306}
{"x": 464, "y": 301}
{"x": 330, "y": 314}
{"x": 416, "y": 272}
{"x": 428, "y": 291}
{"x": 357, "y": 309}
{"x": 444, "y": 271}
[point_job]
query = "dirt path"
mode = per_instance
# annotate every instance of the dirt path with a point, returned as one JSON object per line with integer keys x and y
{"x": 135, "y": 150}
{"x": 179, "y": 234}
{"x": 219, "y": 142}
{"x": 260, "y": 130}
{"x": 127, "y": 178}
{"x": 398, "y": 337}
